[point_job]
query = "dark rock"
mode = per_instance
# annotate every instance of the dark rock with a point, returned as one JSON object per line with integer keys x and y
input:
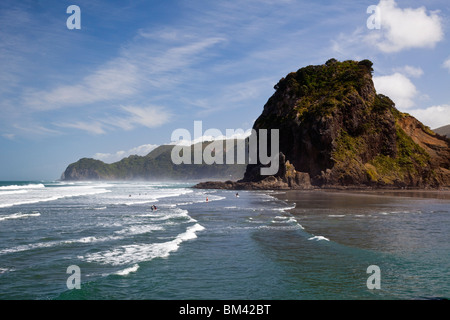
{"x": 336, "y": 131}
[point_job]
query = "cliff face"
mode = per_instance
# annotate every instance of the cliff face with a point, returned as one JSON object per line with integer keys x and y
{"x": 335, "y": 130}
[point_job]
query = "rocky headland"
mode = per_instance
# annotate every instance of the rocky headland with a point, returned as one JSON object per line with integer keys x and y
{"x": 336, "y": 131}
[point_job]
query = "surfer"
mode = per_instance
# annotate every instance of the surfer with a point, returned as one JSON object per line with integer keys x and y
{"x": 237, "y": 195}
{"x": 206, "y": 199}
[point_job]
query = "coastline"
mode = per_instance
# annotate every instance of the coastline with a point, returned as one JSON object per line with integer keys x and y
{"x": 291, "y": 195}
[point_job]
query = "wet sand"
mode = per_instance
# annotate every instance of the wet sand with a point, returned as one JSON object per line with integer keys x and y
{"x": 293, "y": 195}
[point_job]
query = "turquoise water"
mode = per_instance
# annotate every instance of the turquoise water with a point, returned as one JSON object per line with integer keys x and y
{"x": 260, "y": 245}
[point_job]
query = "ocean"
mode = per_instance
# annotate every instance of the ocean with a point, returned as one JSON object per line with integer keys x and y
{"x": 215, "y": 244}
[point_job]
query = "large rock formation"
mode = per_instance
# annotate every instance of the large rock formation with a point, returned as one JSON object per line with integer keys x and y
{"x": 336, "y": 131}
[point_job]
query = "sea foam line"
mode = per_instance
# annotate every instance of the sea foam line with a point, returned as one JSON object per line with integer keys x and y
{"x": 127, "y": 271}
{"x": 318, "y": 238}
{"x": 20, "y": 215}
{"x": 26, "y": 186}
{"x": 132, "y": 254}
{"x": 77, "y": 193}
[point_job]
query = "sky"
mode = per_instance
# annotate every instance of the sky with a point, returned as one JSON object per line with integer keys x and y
{"x": 135, "y": 71}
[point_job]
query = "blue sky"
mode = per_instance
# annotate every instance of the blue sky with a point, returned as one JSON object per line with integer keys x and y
{"x": 137, "y": 70}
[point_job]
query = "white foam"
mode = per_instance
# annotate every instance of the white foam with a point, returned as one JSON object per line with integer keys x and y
{"x": 336, "y": 215}
{"x": 32, "y": 246}
{"x": 42, "y": 194}
{"x": 27, "y": 247}
{"x": 2, "y": 193}
{"x": 132, "y": 254}
{"x": 91, "y": 239}
{"x": 139, "y": 229}
{"x": 318, "y": 238}
{"x": 19, "y": 215}
{"x": 3, "y": 270}
{"x": 127, "y": 271}
{"x": 26, "y": 186}
{"x": 284, "y": 208}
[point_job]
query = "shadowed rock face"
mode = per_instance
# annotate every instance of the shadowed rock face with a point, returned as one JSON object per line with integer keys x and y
{"x": 336, "y": 131}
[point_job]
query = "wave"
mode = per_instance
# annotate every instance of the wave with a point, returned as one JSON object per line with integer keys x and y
{"x": 127, "y": 271}
{"x": 139, "y": 229}
{"x": 20, "y": 215}
{"x": 13, "y": 192}
{"x": 318, "y": 238}
{"x": 51, "y": 194}
{"x": 91, "y": 239}
{"x": 284, "y": 208}
{"x": 27, "y": 247}
{"x": 336, "y": 215}
{"x": 49, "y": 244}
{"x": 4, "y": 270}
{"x": 26, "y": 186}
{"x": 132, "y": 254}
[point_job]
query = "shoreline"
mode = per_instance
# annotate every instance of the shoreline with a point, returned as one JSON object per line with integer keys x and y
{"x": 407, "y": 193}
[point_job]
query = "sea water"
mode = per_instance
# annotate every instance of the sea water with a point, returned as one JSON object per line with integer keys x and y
{"x": 259, "y": 245}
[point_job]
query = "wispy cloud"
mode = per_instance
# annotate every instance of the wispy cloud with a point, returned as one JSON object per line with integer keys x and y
{"x": 411, "y": 71}
{"x": 93, "y": 127}
{"x": 117, "y": 79}
{"x": 129, "y": 118}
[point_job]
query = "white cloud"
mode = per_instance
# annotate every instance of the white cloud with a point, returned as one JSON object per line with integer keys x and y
{"x": 113, "y": 157}
{"x": 414, "y": 72}
{"x": 446, "y": 64}
{"x": 397, "y": 87}
{"x": 405, "y": 28}
{"x": 434, "y": 117}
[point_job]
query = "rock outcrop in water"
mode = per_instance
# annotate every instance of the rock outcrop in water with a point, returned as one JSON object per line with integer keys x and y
{"x": 336, "y": 131}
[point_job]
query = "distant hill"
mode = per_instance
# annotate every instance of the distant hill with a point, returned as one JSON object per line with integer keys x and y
{"x": 443, "y": 131}
{"x": 157, "y": 165}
